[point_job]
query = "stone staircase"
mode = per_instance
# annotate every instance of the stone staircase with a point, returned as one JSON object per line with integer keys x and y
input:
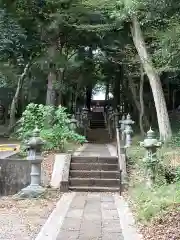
{"x": 97, "y": 120}
{"x": 98, "y": 135}
{"x": 99, "y": 174}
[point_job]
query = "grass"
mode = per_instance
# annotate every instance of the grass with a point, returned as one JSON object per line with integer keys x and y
{"x": 151, "y": 203}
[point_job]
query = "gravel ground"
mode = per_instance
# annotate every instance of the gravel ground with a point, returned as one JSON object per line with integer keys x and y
{"x": 23, "y": 219}
{"x": 47, "y": 168}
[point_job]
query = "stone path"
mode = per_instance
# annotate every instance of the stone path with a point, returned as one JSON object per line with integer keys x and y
{"x": 96, "y": 150}
{"x": 91, "y": 216}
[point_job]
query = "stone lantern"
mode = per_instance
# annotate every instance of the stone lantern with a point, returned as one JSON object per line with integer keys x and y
{"x": 73, "y": 123}
{"x": 78, "y": 116}
{"x": 34, "y": 147}
{"x": 122, "y": 128}
{"x": 151, "y": 144}
{"x": 110, "y": 121}
{"x": 116, "y": 118}
{"x": 84, "y": 119}
{"x": 74, "y": 107}
{"x": 110, "y": 111}
{"x": 128, "y": 131}
{"x": 128, "y": 122}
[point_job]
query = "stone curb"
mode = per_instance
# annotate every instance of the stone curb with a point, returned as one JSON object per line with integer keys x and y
{"x": 127, "y": 221}
{"x": 60, "y": 170}
{"x": 124, "y": 177}
{"x": 60, "y": 174}
{"x": 51, "y": 228}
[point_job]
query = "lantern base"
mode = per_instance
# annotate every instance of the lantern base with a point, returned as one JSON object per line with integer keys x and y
{"x": 31, "y": 191}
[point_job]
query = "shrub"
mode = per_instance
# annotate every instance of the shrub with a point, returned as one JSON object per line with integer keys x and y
{"x": 53, "y": 124}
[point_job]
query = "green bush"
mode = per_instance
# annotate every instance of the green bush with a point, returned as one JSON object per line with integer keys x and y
{"x": 53, "y": 124}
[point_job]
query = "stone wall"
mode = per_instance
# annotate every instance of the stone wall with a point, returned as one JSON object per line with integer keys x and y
{"x": 14, "y": 175}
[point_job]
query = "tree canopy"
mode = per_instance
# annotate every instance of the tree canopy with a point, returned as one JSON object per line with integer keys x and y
{"x": 70, "y": 46}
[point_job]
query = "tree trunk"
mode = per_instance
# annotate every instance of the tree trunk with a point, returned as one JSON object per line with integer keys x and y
{"x": 60, "y": 79}
{"x": 107, "y": 92}
{"x": 14, "y": 103}
{"x": 51, "y": 93}
{"x": 155, "y": 83}
{"x": 141, "y": 100}
{"x": 137, "y": 103}
{"x": 88, "y": 97}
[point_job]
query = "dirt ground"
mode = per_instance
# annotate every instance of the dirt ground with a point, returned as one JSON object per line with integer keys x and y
{"x": 165, "y": 228}
{"x": 23, "y": 219}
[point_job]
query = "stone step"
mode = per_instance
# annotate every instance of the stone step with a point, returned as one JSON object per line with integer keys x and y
{"x": 94, "y": 189}
{"x": 94, "y": 182}
{"x": 82, "y": 159}
{"x": 97, "y": 122}
{"x": 95, "y": 127}
{"x": 94, "y": 166}
{"x": 95, "y": 174}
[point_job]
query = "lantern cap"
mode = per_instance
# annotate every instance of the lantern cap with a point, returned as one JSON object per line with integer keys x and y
{"x": 128, "y": 120}
{"x": 150, "y": 141}
{"x": 35, "y": 141}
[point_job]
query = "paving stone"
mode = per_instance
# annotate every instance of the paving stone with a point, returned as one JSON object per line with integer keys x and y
{"x": 78, "y": 202}
{"x": 93, "y": 196}
{"x": 84, "y": 237}
{"x": 113, "y": 236}
{"x": 90, "y": 233}
{"x": 107, "y": 198}
{"x": 93, "y": 207}
{"x": 111, "y": 226}
{"x": 92, "y": 216}
{"x": 108, "y": 206}
{"x": 68, "y": 235}
{"x": 81, "y": 194}
{"x": 75, "y": 213}
{"x": 70, "y": 224}
{"x": 110, "y": 214}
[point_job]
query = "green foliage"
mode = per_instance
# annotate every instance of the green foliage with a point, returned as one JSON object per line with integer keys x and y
{"x": 53, "y": 124}
{"x": 177, "y": 174}
{"x": 151, "y": 203}
{"x": 12, "y": 38}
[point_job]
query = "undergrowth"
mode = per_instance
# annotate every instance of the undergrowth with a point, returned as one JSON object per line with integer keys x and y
{"x": 151, "y": 203}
